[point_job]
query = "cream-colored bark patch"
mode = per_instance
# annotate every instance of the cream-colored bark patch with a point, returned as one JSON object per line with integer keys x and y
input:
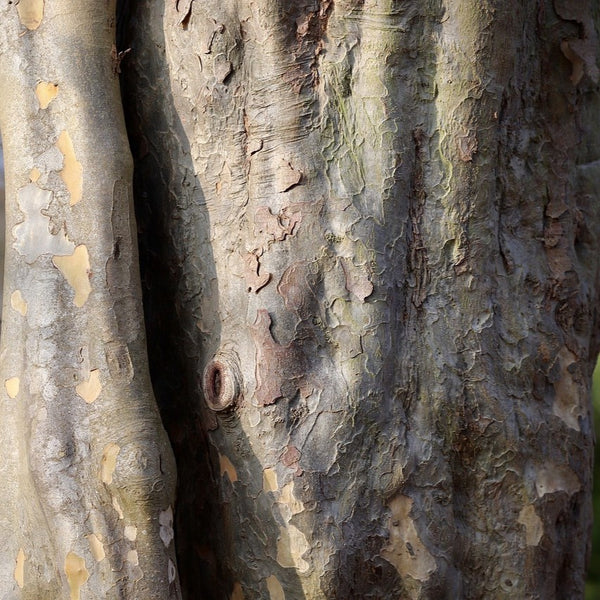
{"x": 553, "y": 478}
{"x": 18, "y": 303}
{"x": 291, "y": 545}
{"x": 131, "y": 532}
{"x": 34, "y": 175}
{"x": 165, "y": 520}
{"x": 228, "y": 468}
{"x": 534, "y": 528}
{"x": 76, "y": 270}
{"x": 72, "y": 172}
{"x": 270, "y": 480}
{"x": 77, "y": 574}
{"x": 90, "y": 390}
{"x": 117, "y": 507}
{"x": 288, "y": 504}
{"x": 133, "y": 558}
{"x": 46, "y": 92}
{"x": 405, "y": 549}
{"x": 237, "y": 593}
{"x": 12, "y": 386}
{"x": 33, "y": 237}
{"x": 96, "y": 547}
{"x": 20, "y": 568}
{"x": 109, "y": 463}
{"x": 31, "y": 13}
{"x": 275, "y": 589}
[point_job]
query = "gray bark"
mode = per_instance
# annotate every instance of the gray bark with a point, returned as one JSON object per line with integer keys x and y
{"x": 88, "y": 473}
{"x": 369, "y": 243}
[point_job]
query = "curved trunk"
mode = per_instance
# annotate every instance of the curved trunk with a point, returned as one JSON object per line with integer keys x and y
{"x": 378, "y": 224}
{"x": 88, "y": 474}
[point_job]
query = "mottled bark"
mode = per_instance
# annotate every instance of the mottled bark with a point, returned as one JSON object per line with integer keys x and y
{"x": 87, "y": 472}
{"x": 369, "y": 240}
{"x": 378, "y": 225}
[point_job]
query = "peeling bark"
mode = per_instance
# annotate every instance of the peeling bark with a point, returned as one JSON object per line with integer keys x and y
{"x": 85, "y": 459}
{"x": 369, "y": 249}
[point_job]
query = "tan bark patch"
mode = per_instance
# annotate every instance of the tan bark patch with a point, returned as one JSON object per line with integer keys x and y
{"x": 534, "y": 528}
{"x": 31, "y": 13}
{"x": 18, "y": 303}
{"x": 270, "y": 480}
{"x": 227, "y": 468}
{"x": 72, "y": 172}
{"x": 12, "y": 386}
{"x": 34, "y": 174}
{"x": 291, "y": 545}
{"x": 237, "y": 593}
{"x": 20, "y": 568}
{"x": 46, "y": 92}
{"x": 133, "y": 558}
{"x": 90, "y": 390}
{"x": 77, "y": 574}
{"x": 76, "y": 270}
{"x": 109, "y": 462}
{"x": 405, "y": 549}
{"x": 96, "y": 547}
{"x": 275, "y": 589}
{"x": 288, "y": 503}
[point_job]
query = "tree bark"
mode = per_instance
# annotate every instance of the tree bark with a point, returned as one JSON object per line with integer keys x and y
{"x": 88, "y": 473}
{"x": 369, "y": 244}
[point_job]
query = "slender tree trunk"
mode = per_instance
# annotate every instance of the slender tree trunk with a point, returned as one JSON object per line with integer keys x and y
{"x": 88, "y": 474}
{"x": 369, "y": 240}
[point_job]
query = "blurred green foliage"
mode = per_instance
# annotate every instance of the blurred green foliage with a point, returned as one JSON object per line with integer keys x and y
{"x": 592, "y": 591}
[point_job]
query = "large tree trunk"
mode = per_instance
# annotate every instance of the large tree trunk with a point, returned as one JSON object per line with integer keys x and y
{"x": 369, "y": 243}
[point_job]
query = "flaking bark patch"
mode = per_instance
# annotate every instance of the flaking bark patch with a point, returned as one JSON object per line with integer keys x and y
{"x": 76, "y": 270}
{"x": 90, "y": 390}
{"x": 72, "y": 171}
{"x": 31, "y": 13}
{"x": 46, "y": 92}
{"x": 77, "y": 574}
{"x": 405, "y": 549}
{"x": 277, "y": 366}
{"x": 18, "y": 303}
{"x": 19, "y": 573}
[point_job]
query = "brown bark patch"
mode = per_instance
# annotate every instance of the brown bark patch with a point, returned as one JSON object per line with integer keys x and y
{"x": 276, "y": 365}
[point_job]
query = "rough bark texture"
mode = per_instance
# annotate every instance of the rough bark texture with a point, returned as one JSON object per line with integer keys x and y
{"x": 370, "y": 236}
{"x": 369, "y": 240}
{"x": 87, "y": 472}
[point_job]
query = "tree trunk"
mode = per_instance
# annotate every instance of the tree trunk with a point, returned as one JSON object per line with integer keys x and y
{"x": 88, "y": 473}
{"x": 369, "y": 243}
